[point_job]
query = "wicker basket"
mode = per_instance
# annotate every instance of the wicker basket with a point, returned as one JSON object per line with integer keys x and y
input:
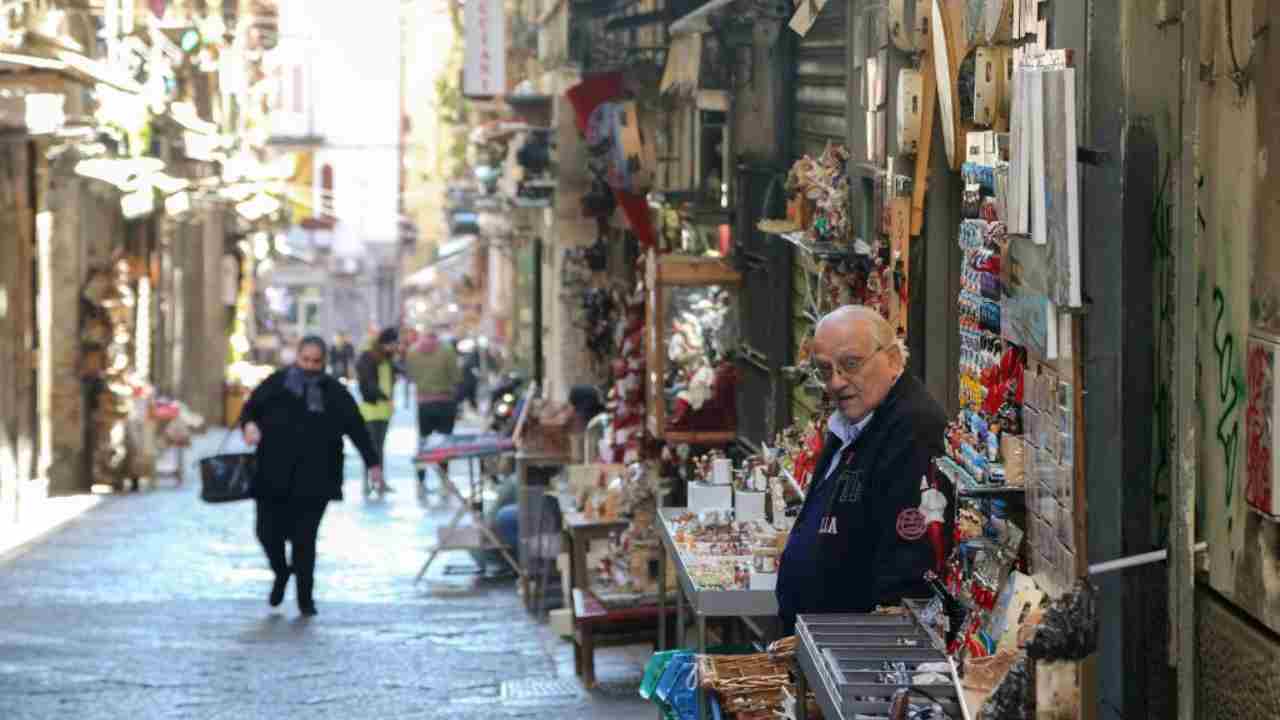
{"x": 749, "y": 686}
{"x": 741, "y": 673}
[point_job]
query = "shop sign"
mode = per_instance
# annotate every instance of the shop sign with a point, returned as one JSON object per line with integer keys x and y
{"x": 485, "y": 60}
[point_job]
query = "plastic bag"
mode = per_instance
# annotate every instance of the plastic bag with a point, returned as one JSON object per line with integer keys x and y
{"x": 678, "y": 687}
{"x": 653, "y": 672}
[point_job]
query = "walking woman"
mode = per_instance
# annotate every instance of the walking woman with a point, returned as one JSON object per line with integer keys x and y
{"x": 297, "y": 418}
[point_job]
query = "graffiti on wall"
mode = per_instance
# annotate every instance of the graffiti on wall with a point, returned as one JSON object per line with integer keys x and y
{"x": 1230, "y": 389}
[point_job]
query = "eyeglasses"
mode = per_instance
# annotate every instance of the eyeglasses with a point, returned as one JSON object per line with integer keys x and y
{"x": 847, "y": 366}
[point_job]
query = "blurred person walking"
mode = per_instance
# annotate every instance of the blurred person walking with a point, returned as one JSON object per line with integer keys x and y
{"x": 342, "y": 357}
{"x": 375, "y": 374}
{"x": 433, "y": 367}
{"x": 296, "y": 419}
{"x": 471, "y": 378}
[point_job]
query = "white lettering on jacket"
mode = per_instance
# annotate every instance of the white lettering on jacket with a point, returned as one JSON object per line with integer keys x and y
{"x": 828, "y": 526}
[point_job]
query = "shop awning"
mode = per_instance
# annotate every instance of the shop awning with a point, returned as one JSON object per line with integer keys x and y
{"x": 189, "y": 119}
{"x": 696, "y": 21}
{"x": 91, "y": 71}
{"x": 124, "y": 173}
{"x": 450, "y": 255}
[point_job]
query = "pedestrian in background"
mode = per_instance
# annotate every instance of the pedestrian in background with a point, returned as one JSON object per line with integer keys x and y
{"x": 408, "y": 338}
{"x": 288, "y": 351}
{"x": 471, "y": 378}
{"x": 342, "y": 357}
{"x": 375, "y": 374}
{"x": 296, "y": 418}
{"x": 433, "y": 367}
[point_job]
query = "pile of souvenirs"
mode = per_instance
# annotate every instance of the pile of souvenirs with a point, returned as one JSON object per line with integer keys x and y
{"x": 851, "y": 270}
{"x": 107, "y": 351}
{"x": 623, "y": 443}
{"x": 614, "y": 492}
{"x": 819, "y": 195}
{"x": 700, "y": 371}
{"x": 721, "y": 553}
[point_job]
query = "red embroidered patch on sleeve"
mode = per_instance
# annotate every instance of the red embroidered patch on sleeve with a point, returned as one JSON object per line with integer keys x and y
{"x": 911, "y": 524}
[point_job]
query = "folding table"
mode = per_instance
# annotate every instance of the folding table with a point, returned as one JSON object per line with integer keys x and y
{"x": 472, "y": 448}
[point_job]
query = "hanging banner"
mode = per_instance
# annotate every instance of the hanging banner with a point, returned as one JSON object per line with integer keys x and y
{"x": 485, "y": 61}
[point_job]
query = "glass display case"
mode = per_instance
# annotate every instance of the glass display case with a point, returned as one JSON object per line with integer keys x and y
{"x": 691, "y": 339}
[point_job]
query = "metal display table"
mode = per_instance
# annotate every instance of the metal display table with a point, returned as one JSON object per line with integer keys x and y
{"x": 472, "y": 448}
{"x": 743, "y": 604}
{"x": 842, "y": 659}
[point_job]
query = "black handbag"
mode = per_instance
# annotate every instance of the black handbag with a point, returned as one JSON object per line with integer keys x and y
{"x": 226, "y": 477}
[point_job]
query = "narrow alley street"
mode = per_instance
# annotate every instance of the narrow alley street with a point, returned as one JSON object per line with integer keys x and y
{"x": 154, "y": 606}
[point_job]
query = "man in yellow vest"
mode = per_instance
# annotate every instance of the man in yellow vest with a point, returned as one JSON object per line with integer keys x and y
{"x": 376, "y": 377}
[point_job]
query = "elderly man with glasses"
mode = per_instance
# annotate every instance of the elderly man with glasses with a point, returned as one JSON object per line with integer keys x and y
{"x": 866, "y": 533}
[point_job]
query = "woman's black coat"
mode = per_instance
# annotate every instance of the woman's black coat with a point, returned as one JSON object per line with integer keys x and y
{"x": 300, "y": 454}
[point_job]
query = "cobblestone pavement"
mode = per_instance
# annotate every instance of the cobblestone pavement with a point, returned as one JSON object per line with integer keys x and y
{"x": 153, "y": 605}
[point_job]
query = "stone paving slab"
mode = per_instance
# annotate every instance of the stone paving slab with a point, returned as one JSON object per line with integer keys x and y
{"x": 152, "y": 605}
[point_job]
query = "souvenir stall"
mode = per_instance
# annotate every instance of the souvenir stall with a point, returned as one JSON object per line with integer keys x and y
{"x": 1014, "y": 452}
{"x": 122, "y": 430}
{"x": 609, "y": 498}
{"x": 727, "y": 543}
{"x": 1009, "y": 611}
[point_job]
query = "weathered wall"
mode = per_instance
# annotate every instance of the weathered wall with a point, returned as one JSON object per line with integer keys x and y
{"x": 755, "y": 119}
{"x": 564, "y": 343}
{"x": 1244, "y": 565}
{"x": 207, "y": 336}
{"x": 17, "y": 432}
{"x": 66, "y": 275}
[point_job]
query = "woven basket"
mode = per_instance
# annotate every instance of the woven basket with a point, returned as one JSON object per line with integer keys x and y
{"x": 785, "y": 649}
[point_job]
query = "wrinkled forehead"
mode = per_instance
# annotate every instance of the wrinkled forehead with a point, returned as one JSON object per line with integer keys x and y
{"x": 843, "y": 338}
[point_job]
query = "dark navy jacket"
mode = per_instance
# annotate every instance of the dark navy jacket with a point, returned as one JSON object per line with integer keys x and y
{"x": 851, "y": 548}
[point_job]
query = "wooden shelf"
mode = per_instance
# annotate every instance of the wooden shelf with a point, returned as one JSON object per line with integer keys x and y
{"x": 692, "y": 437}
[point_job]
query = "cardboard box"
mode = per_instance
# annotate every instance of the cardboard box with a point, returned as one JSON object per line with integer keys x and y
{"x": 562, "y": 621}
{"x": 748, "y": 505}
{"x": 710, "y": 497}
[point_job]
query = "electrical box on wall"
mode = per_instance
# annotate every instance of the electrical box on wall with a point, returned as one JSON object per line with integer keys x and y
{"x": 910, "y": 92}
{"x": 993, "y": 67}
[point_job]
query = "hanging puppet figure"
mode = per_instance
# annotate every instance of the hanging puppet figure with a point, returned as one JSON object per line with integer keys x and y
{"x": 933, "y": 504}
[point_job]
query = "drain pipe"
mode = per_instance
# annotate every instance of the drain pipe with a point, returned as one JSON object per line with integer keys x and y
{"x": 1137, "y": 560}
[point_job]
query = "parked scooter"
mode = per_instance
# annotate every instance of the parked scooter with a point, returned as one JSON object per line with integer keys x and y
{"x": 504, "y": 403}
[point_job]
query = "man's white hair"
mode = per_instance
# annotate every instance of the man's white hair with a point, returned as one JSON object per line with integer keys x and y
{"x": 882, "y": 331}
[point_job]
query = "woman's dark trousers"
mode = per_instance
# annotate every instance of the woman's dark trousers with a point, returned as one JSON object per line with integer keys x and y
{"x": 298, "y": 521}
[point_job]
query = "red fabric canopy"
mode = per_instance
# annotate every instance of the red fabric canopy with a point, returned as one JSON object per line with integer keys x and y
{"x": 585, "y": 97}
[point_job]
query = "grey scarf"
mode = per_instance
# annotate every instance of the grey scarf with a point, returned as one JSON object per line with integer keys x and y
{"x": 306, "y": 385}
